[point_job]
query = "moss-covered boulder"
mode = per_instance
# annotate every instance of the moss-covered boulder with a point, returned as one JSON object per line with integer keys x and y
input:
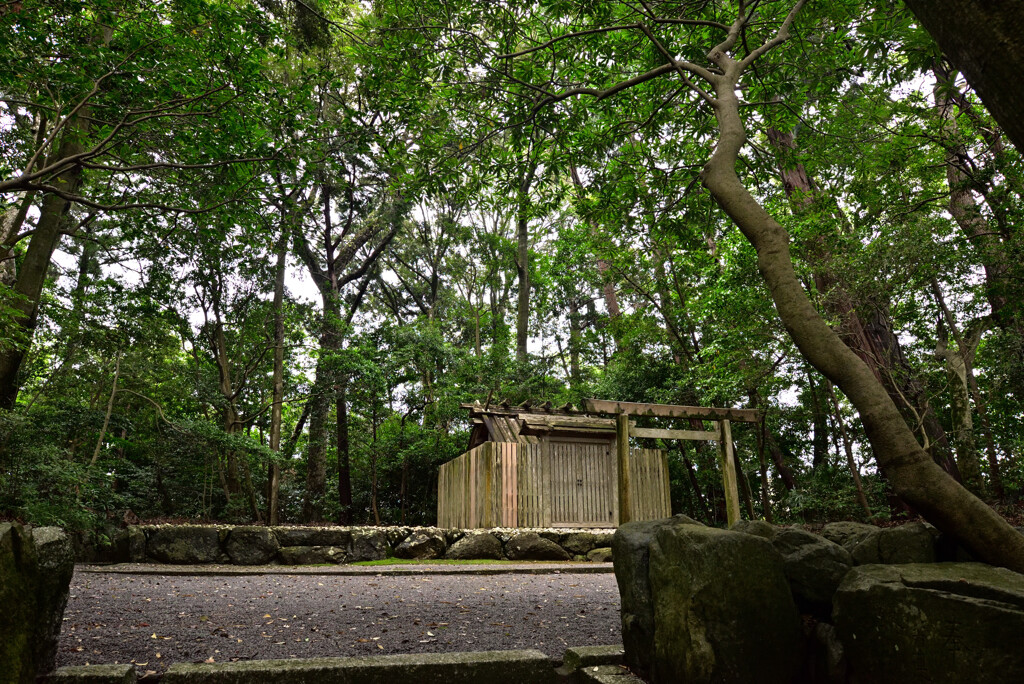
{"x": 424, "y": 544}
{"x": 705, "y": 605}
{"x": 476, "y": 545}
{"x": 251, "y": 545}
{"x": 631, "y": 555}
{"x": 814, "y": 567}
{"x": 910, "y": 543}
{"x": 847, "y": 533}
{"x": 579, "y": 543}
{"x": 938, "y": 622}
{"x": 35, "y": 569}
{"x": 532, "y": 546}
{"x": 17, "y": 587}
{"x": 55, "y": 564}
{"x": 367, "y": 545}
{"x": 184, "y": 544}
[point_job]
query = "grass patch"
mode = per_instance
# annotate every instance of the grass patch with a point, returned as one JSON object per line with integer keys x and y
{"x": 436, "y": 561}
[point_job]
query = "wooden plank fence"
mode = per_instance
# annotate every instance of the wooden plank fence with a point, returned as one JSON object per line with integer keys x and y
{"x": 504, "y": 484}
{"x": 649, "y": 484}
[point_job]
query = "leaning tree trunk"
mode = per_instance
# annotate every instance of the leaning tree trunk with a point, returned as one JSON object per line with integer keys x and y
{"x": 910, "y": 469}
{"x": 985, "y": 40}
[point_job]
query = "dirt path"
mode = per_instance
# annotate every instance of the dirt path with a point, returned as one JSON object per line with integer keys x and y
{"x": 154, "y": 620}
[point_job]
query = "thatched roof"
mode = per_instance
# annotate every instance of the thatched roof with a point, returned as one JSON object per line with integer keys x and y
{"x": 526, "y": 423}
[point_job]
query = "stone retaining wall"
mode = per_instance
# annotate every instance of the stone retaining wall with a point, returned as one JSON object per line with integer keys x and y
{"x": 255, "y": 545}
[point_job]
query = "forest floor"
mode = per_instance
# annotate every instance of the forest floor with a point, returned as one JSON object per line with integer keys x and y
{"x": 155, "y": 620}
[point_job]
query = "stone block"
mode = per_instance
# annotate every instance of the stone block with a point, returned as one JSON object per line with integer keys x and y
{"x": 956, "y": 623}
{"x": 93, "y": 674}
{"x": 184, "y": 544}
{"x": 419, "y": 668}
{"x": 251, "y": 545}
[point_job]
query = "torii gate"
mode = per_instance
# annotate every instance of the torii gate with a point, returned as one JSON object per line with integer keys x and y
{"x": 722, "y": 434}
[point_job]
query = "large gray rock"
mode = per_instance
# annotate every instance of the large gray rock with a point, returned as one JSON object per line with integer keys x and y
{"x": 717, "y": 607}
{"x": 396, "y": 535}
{"x": 17, "y": 592}
{"x": 910, "y": 543}
{"x": 631, "y": 555}
{"x": 476, "y": 545}
{"x": 581, "y": 543}
{"x": 184, "y": 544}
{"x": 368, "y": 545}
{"x": 758, "y": 528}
{"x": 35, "y": 569}
{"x": 723, "y": 611}
{"x": 312, "y": 555}
{"x": 423, "y": 544}
{"x": 531, "y": 546}
{"x": 847, "y": 534}
{"x": 936, "y": 622}
{"x": 251, "y": 545}
{"x": 814, "y": 567}
{"x": 54, "y": 566}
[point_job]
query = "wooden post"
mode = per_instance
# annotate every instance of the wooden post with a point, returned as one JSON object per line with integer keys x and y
{"x": 622, "y": 457}
{"x": 725, "y": 460}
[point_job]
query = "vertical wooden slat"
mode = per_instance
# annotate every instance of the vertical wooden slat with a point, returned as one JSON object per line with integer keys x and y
{"x": 728, "y": 466}
{"x": 514, "y": 470}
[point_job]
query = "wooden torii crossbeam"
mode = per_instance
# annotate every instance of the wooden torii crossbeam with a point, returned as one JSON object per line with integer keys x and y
{"x": 722, "y": 434}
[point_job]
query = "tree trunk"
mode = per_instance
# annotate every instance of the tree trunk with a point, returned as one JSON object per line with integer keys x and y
{"x": 523, "y": 281}
{"x": 910, "y": 469}
{"x": 851, "y": 463}
{"x": 32, "y": 273}
{"x": 110, "y": 410}
{"x": 14, "y": 218}
{"x": 344, "y": 466}
{"x": 277, "y": 399}
{"x": 611, "y": 300}
{"x": 695, "y": 484}
{"x": 966, "y": 348}
{"x": 575, "y": 342}
{"x": 819, "y": 422}
{"x": 865, "y": 326}
{"x": 985, "y": 40}
{"x": 319, "y": 403}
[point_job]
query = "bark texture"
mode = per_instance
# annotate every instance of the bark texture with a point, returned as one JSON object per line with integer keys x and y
{"x": 984, "y": 39}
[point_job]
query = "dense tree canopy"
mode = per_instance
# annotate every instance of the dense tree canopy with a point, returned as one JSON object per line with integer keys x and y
{"x": 254, "y": 254}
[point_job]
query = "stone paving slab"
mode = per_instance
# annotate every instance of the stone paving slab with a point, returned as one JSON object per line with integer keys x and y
{"x": 433, "y": 668}
{"x": 397, "y": 570}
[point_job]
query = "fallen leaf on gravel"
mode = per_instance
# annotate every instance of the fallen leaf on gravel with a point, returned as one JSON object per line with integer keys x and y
{"x": 209, "y": 660}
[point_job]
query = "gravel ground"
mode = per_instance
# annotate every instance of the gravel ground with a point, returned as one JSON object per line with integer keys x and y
{"x": 154, "y": 620}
